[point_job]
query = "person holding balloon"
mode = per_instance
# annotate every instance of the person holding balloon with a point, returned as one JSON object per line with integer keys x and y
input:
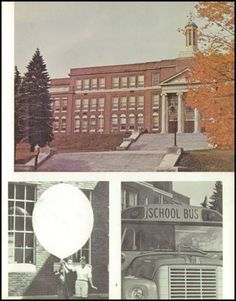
{"x": 84, "y": 277}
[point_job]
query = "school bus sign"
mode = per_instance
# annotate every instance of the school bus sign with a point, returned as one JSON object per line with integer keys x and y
{"x": 173, "y": 213}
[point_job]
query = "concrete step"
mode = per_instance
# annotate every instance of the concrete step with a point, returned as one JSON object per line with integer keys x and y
{"x": 188, "y": 141}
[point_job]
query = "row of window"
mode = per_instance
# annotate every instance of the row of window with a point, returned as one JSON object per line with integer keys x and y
{"x": 129, "y": 122}
{"x": 91, "y": 104}
{"x": 90, "y": 83}
{"x": 84, "y": 124}
{"x": 118, "y": 82}
{"x": 131, "y": 198}
{"x": 94, "y": 104}
{"x": 93, "y": 123}
{"x": 59, "y": 104}
{"x": 21, "y": 237}
{"x": 133, "y": 102}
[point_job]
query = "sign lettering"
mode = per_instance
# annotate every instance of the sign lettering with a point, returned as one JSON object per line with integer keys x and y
{"x": 173, "y": 213}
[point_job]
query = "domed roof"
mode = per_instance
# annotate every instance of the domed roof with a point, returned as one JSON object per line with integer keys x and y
{"x": 191, "y": 24}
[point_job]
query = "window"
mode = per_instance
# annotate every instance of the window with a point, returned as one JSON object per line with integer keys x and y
{"x": 123, "y": 102}
{"x": 101, "y": 83}
{"x": 115, "y": 103}
{"x": 155, "y": 101}
{"x": 114, "y": 122}
{"x": 85, "y": 104}
{"x": 155, "y": 79}
{"x": 77, "y": 124}
{"x": 132, "y": 102}
{"x": 86, "y": 84}
{"x": 57, "y": 105}
{"x": 92, "y": 123}
{"x": 155, "y": 121}
{"x": 85, "y": 251}
{"x": 100, "y": 123}
{"x": 141, "y": 81}
{"x": 140, "y": 121}
{"x": 124, "y": 82}
{"x": 93, "y": 104}
{"x": 131, "y": 121}
{"x": 64, "y": 104}
{"x": 122, "y": 122}
{"x": 189, "y": 38}
{"x": 94, "y": 83}
{"x": 115, "y": 82}
{"x": 101, "y": 102}
{"x": 84, "y": 124}
{"x": 130, "y": 199}
{"x": 21, "y": 199}
{"x": 78, "y": 84}
{"x": 56, "y": 124}
{"x": 140, "y": 102}
{"x": 77, "y": 104}
{"x": 63, "y": 124}
{"x": 132, "y": 81}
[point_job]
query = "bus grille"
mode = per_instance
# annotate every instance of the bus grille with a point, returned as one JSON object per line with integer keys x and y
{"x": 193, "y": 283}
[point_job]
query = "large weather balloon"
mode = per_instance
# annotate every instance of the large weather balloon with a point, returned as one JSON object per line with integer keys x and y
{"x": 62, "y": 220}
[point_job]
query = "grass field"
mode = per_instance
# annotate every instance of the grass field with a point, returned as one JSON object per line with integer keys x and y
{"x": 208, "y": 160}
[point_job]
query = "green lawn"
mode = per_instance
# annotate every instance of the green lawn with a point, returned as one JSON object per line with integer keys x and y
{"x": 87, "y": 142}
{"x": 208, "y": 160}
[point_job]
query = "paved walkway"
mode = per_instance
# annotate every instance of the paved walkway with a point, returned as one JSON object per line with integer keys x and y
{"x": 103, "y": 161}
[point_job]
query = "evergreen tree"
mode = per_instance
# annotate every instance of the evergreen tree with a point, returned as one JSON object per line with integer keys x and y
{"x": 216, "y": 203}
{"x": 19, "y": 108}
{"x": 204, "y": 203}
{"x": 36, "y": 94}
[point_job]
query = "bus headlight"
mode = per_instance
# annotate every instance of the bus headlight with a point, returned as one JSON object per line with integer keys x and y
{"x": 137, "y": 293}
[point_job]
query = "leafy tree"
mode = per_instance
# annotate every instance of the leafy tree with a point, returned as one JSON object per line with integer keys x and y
{"x": 212, "y": 76}
{"x": 216, "y": 203}
{"x": 39, "y": 115}
{"x": 204, "y": 203}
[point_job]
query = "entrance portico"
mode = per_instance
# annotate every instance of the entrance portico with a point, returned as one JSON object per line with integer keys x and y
{"x": 175, "y": 116}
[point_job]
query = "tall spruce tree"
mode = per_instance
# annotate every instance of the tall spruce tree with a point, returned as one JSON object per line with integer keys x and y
{"x": 36, "y": 94}
{"x": 20, "y": 113}
{"x": 216, "y": 203}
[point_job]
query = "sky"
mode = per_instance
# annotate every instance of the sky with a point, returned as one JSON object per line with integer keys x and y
{"x": 84, "y": 34}
{"x": 195, "y": 190}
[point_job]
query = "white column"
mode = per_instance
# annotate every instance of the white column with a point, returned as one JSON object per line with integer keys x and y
{"x": 196, "y": 121}
{"x": 163, "y": 113}
{"x": 179, "y": 120}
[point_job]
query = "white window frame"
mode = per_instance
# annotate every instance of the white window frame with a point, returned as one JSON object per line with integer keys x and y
{"x": 23, "y": 265}
{"x": 140, "y": 81}
{"x": 115, "y": 82}
{"x": 115, "y": 103}
{"x": 132, "y": 81}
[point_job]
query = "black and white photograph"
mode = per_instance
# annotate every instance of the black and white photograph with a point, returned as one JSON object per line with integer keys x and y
{"x": 118, "y": 150}
{"x": 172, "y": 240}
{"x": 58, "y": 240}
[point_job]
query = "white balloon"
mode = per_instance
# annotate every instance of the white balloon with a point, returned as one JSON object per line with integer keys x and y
{"x": 62, "y": 220}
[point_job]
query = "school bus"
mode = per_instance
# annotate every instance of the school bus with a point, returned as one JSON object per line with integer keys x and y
{"x": 171, "y": 252}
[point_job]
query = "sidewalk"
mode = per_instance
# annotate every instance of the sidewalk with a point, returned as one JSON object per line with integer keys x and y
{"x": 55, "y": 297}
{"x": 45, "y": 153}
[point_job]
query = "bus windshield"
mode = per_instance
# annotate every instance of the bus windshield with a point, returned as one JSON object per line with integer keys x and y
{"x": 171, "y": 237}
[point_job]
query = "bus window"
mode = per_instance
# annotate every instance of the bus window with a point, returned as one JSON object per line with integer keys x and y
{"x": 142, "y": 267}
{"x": 128, "y": 242}
{"x": 147, "y": 237}
{"x": 204, "y": 238}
